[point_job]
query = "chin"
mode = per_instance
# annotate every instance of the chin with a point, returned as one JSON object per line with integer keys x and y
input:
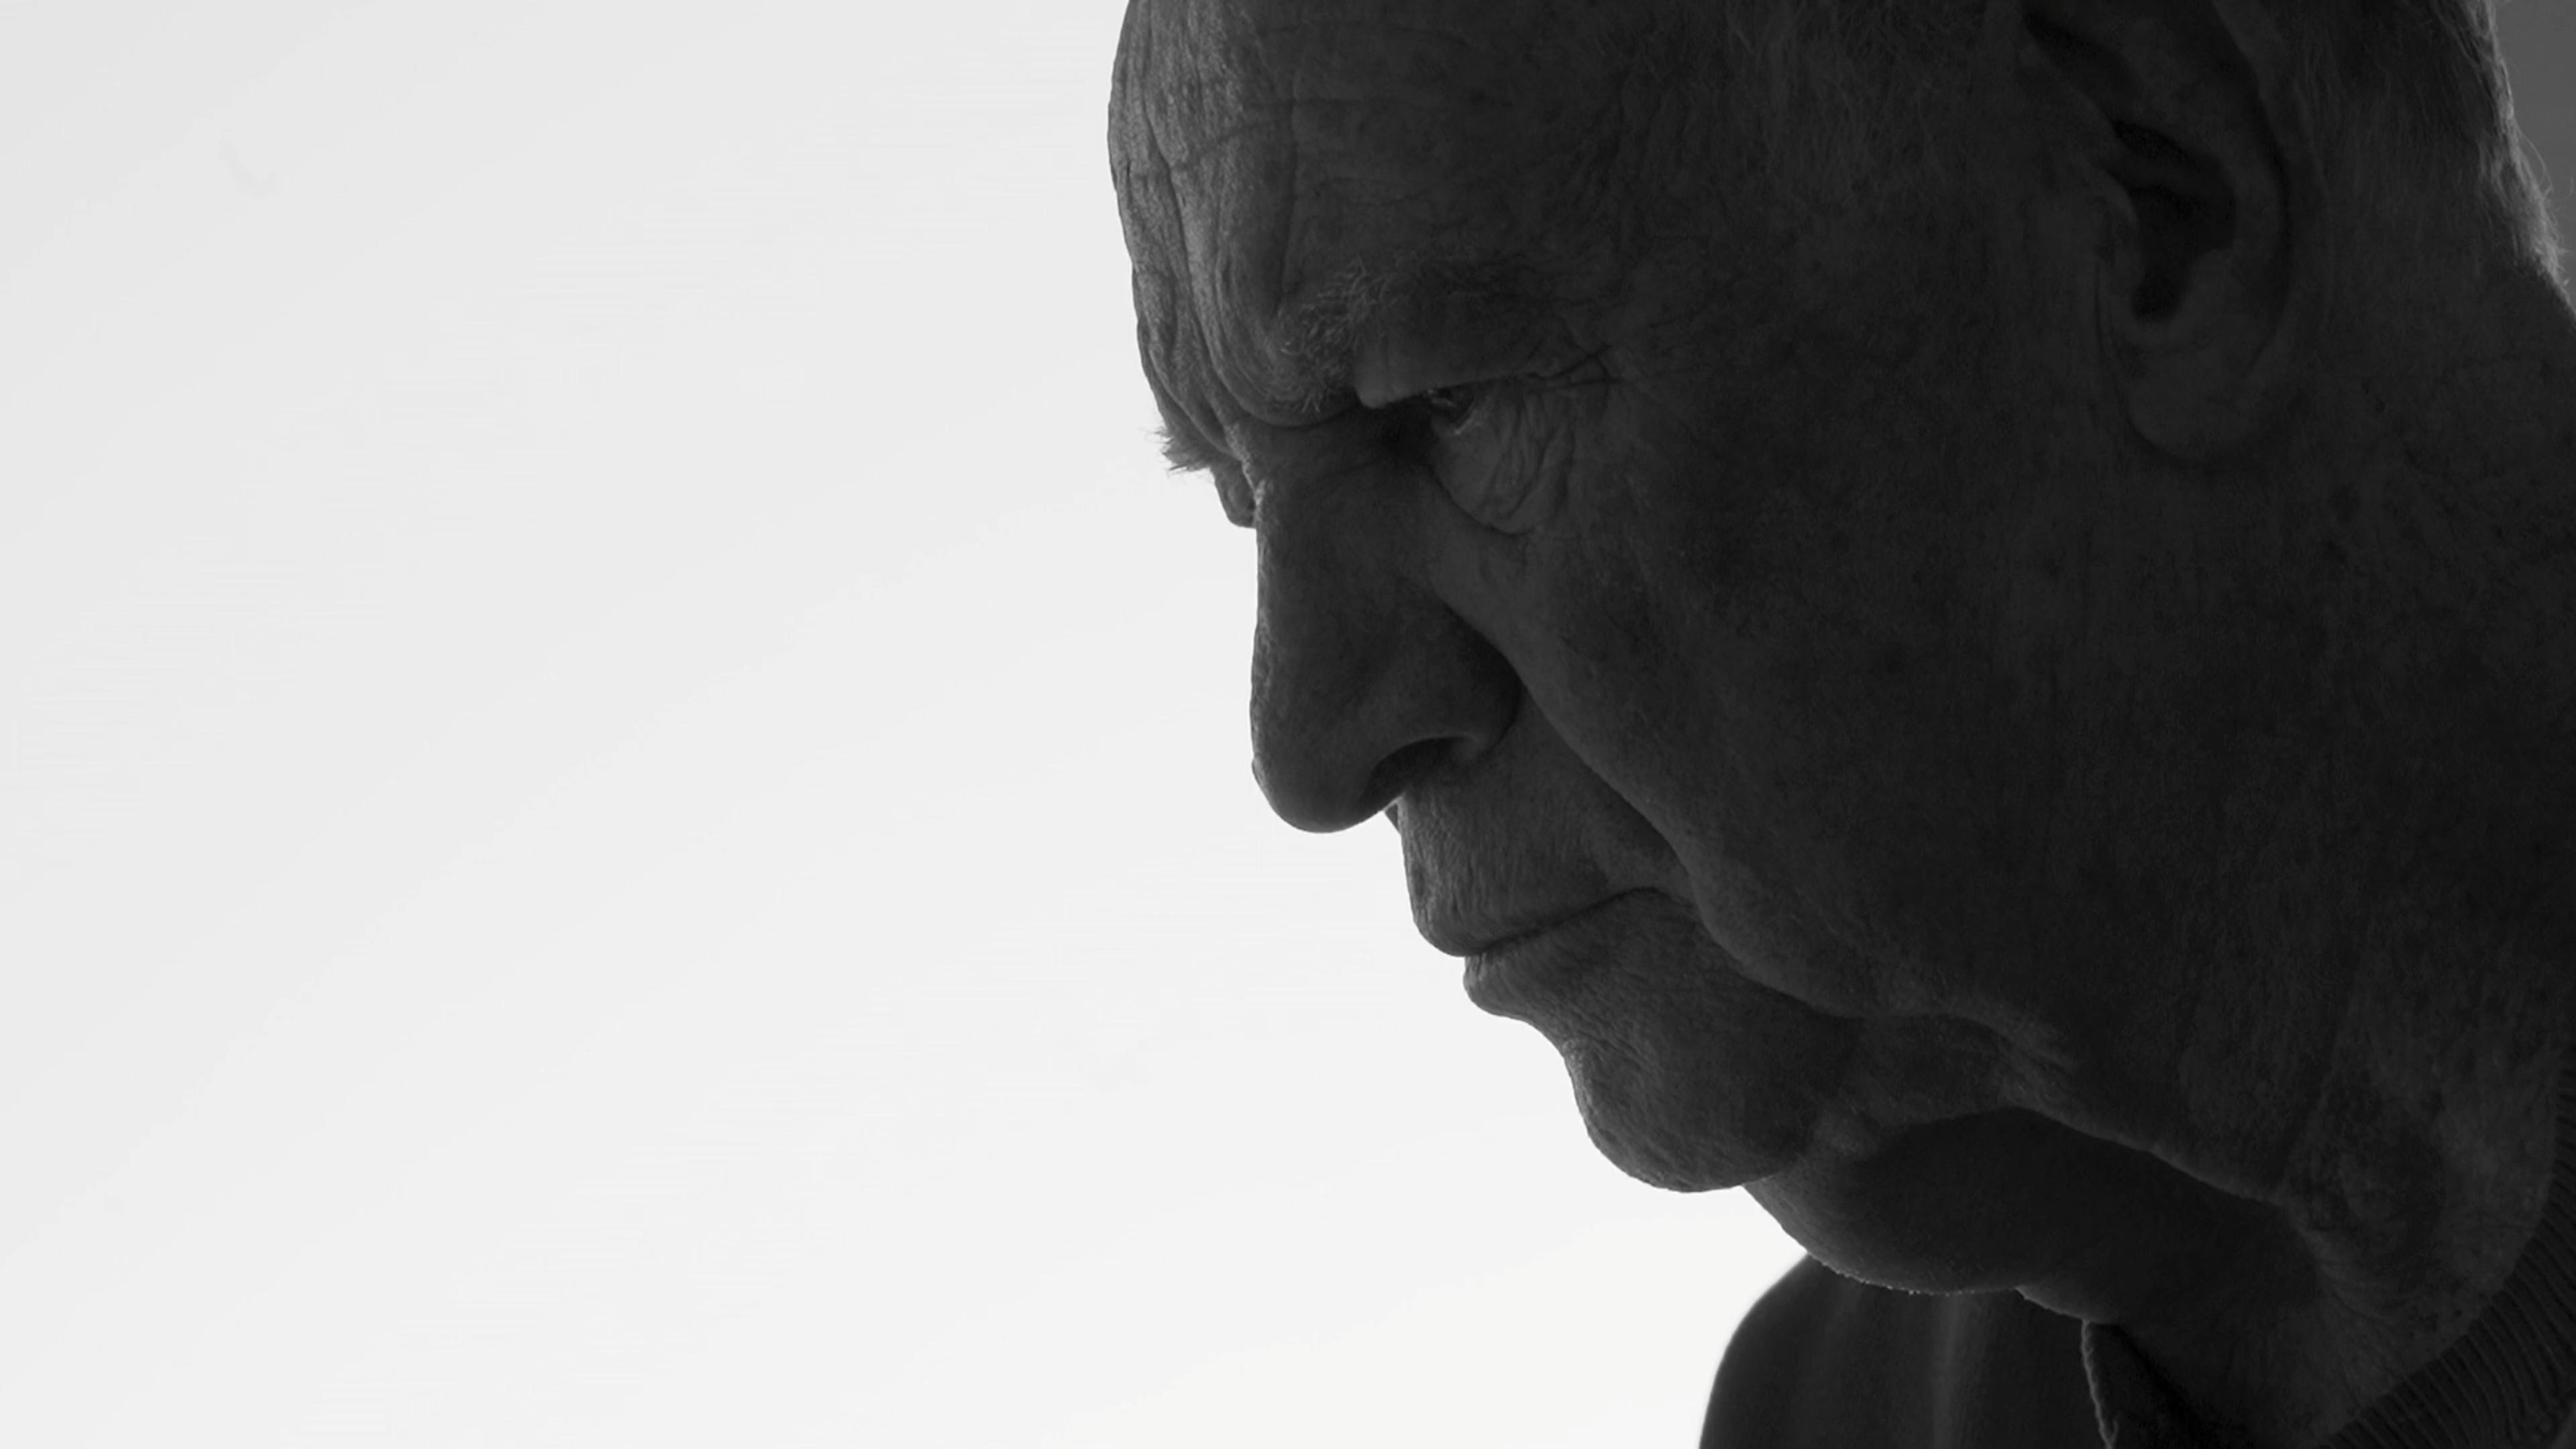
{"x": 1689, "y": 1075}
{"x": 1665, "y": 1138}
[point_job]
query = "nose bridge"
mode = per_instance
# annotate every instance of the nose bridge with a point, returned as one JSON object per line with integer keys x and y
{"x": 1362, "y": 678}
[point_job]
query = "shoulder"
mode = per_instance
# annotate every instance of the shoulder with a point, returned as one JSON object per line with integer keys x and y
{"x": 1823, "y": 1360}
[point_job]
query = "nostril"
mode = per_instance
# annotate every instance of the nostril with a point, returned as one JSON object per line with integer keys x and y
{"x": 1402, "y": 768}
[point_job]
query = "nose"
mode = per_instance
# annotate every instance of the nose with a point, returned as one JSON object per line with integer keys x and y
{"x": 1363, "y": 679}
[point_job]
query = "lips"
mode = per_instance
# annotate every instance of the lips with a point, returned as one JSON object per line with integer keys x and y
{"x": 1476, "y": 937}
{"x": 1532, "y": 974}
{"x": 1481, "y": 936}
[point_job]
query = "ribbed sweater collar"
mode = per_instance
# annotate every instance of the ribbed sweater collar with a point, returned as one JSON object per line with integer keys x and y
{"x": 2508, "y": 1382}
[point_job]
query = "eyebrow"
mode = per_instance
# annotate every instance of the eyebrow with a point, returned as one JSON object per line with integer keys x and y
{"x": 1185, "y": 450}
{"x": 1319, "y": 336}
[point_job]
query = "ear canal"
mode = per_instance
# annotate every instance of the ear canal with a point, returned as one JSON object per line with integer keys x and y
{"x": 2181, "y": 217}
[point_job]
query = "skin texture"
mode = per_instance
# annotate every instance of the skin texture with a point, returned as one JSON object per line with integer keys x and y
{"x": 2045, "y": 667}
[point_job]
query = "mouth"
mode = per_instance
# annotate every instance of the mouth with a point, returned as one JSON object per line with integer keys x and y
{"x": 1512, "y": 966}
{"x": 1473, "y": 939}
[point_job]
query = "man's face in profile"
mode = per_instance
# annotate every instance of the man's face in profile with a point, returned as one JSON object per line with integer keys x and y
{"x": 1743, "y": 627}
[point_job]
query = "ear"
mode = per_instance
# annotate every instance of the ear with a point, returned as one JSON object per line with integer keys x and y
{"x": 2155, "y": 116}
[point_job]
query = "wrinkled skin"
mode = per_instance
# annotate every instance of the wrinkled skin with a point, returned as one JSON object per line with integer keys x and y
{"x": 1971, "y": 728}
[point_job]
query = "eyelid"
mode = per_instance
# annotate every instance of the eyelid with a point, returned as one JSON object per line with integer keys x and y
{"x": 1455, "y": 408}
{"x": 1472, "y": 391}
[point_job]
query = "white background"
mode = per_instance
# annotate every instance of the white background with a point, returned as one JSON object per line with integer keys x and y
{"x": 623, "y": 810}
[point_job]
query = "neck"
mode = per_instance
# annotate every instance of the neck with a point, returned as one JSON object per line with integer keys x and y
{"x": 2510, "y": 1377}
{"x": 2379, "y": 1272}
{"x": 2504, "y": 1378}
{"x": 2315, "y": 1281}
{"x": 2409, "y": 1202}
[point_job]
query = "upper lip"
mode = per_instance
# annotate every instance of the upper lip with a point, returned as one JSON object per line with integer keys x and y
{"x": 1475, "y": 935}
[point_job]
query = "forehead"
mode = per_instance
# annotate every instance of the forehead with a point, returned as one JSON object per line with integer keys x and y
{"x": 1282, "y": 165}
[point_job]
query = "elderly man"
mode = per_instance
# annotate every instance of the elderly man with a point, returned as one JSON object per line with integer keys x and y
{"x": 1966, "y": 602}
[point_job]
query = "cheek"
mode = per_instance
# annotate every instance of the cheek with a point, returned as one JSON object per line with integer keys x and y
{"x": 1700, "y": 646}
{"x": 1774, "y": 687}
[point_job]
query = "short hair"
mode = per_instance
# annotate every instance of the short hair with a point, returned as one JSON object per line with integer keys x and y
{"x": 2407, "y": 101}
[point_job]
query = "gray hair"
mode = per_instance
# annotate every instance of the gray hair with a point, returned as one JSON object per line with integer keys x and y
{"x": 2417, "y": 90}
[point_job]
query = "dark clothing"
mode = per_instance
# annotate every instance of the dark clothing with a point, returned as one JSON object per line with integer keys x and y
{"x": 1823, "y": 1362}
{"x": 1826, "y": 1362}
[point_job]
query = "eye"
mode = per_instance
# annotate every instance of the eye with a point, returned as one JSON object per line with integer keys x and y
{"x": 1489, "y": 451}
{"x": 1451, "y": 410}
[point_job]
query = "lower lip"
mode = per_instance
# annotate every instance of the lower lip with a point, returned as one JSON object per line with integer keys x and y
{"x": 1511, "y": 976}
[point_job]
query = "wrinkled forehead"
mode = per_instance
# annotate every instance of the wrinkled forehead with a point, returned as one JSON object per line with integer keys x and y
{"x": 1272, "y": 156}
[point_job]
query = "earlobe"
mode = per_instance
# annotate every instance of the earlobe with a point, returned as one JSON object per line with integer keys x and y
{"x": 2158, "y": 118}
